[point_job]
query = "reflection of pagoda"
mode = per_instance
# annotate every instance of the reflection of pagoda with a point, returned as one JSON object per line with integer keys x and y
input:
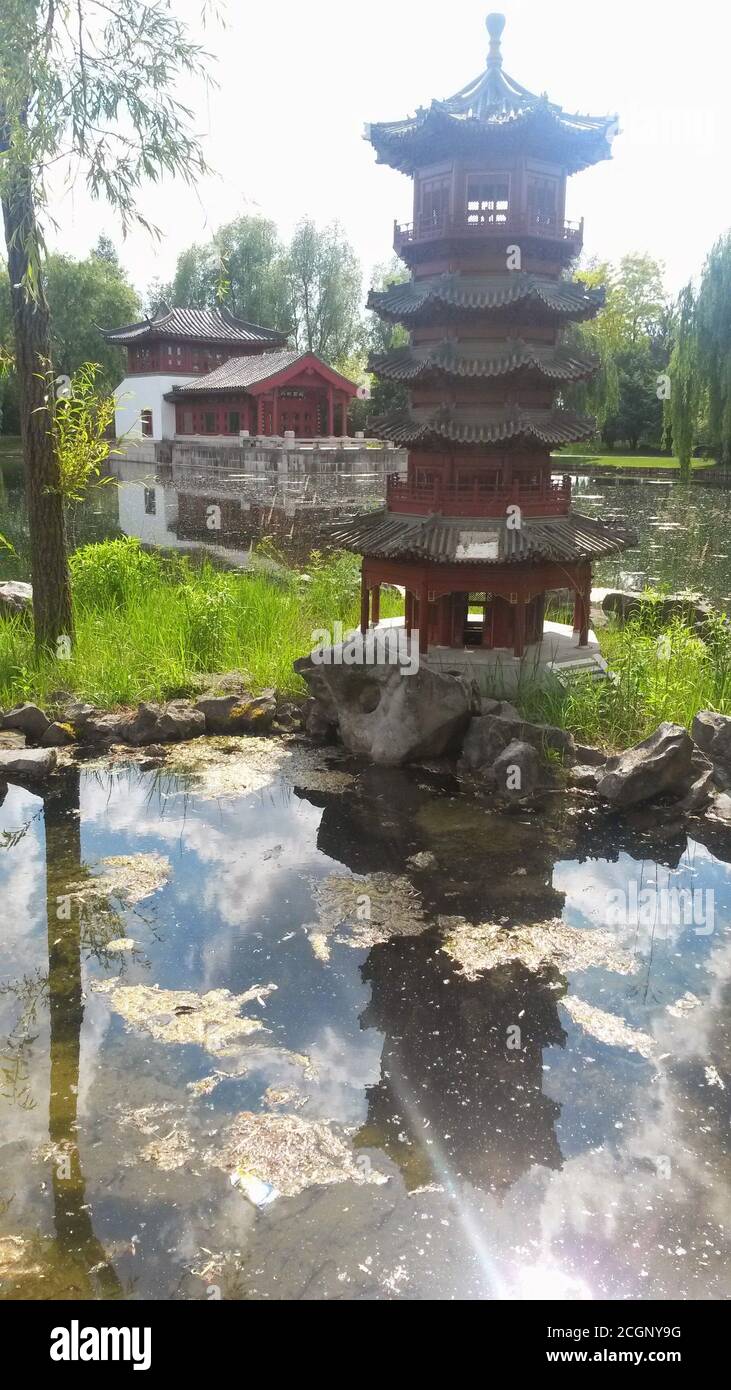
{"x": 478, "y": 518}
{"x": 455, "y": 1103}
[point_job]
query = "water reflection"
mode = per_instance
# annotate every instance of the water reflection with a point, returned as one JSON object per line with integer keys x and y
{"x": 564, "y": 1163}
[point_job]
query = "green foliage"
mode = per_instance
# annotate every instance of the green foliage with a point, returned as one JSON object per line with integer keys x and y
{"x": 324, "y": 280}
{"x": 242, "y": 267}
{"x": 656, "y": 674}
{"x": 629, "y": 340}
{"x": 147, "y": 623}
{"x": 700, "y": 366}
{"x": 80, "y": 421}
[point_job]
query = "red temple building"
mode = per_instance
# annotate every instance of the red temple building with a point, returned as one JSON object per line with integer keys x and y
{"x": 479, "y": 524}
{"x": 204, "y": 372}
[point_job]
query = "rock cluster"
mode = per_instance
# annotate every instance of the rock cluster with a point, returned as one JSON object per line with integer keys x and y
{"x": 29, "y": 737}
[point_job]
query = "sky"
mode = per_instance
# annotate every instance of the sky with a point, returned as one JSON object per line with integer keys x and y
{"x": 296, "y": 82}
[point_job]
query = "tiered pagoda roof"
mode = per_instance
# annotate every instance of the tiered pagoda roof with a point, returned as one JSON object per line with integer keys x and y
{"x": 493, "y": 115}
{"x": 453, "y": 360}
{"x": 436, "y": 298}
{"x": 449, "y": 540}
{"x": 195, "y": 325}
{"x": 465, "y": 425}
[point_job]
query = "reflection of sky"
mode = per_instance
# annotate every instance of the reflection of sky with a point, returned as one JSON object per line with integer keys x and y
{"x": 233, "y": 914}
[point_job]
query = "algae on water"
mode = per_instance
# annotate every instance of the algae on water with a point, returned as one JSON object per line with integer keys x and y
{"x": 363, "y": 912}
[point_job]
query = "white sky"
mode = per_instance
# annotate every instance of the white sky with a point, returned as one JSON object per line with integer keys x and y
{"x": 298, "y": 79}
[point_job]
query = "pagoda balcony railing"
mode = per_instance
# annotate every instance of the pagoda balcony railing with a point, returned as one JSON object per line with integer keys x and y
{"x": 477, "y": 497}
{"x": 479, "y": 225}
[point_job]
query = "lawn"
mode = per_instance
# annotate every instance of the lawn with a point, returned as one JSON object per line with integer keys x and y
{"x": 626, "y": 461}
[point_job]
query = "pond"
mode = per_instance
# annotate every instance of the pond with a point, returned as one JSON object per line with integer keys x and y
{"x": 683, "y": 530}
{"x": 257, "y": 1042}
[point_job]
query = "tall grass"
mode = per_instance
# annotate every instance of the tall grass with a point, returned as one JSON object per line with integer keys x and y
{"x": 656, "y": 674}
{"x": 149, "y": 623}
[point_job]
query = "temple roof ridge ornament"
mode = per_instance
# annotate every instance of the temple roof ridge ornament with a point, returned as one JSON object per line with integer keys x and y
{"x": 493, "y": 112}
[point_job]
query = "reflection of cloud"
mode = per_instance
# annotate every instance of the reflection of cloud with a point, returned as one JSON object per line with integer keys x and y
{"x": 344, "y": 1070}
{"x": 592, "y": 887}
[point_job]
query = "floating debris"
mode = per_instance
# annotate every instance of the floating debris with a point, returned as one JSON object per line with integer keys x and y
{"x": 213, "y": 1020}
{"x": 130, "y": 877}
{"x": 607, "y": 1028}
{"x": 542, "y": 944}
{"x": 684, "y": 1005}
{"x": 232, "y": 766}
{"x": 713, "y": 1078}
{"x": 363, "y": 912}
{"x": 425, "y": 859}
{"x": 170, "y": 1152}
{"x": 274, "y": 1096}
{"x": 120, "y": 944}
{"x": 288, "y": 1153}
{"x": 260, "y": 1194}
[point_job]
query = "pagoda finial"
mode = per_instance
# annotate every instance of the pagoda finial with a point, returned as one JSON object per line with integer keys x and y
{"x": 495, "y": 24}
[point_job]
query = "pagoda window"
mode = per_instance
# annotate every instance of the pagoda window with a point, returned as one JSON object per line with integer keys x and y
{"x": 187, "y": 422}
{"x": 234, "y": 421}
{"x": 146, "y": 423}
{"x": 488, "y": 199}
{"x": 209, "y": 422}
{"x": 435, "y": 196}
{"x": 542, "y": 201}
{"x": 150, "y": 502}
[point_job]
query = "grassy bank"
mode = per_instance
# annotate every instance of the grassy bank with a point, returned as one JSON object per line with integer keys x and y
{"x": 656, "y": 674}
{"x": 147, "y": 624}
{"x": 625, "y": 461}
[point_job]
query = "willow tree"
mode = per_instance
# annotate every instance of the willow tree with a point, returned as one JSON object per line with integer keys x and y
{"x": 700, "y": 366}
{"x": 87, "y": 88}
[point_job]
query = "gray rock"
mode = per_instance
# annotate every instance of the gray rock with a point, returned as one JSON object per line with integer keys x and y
{"x": 720, "y": 808}
{"x": 27, "y": 765}
{"x": 516, "y": 770}
{"x": 162, "y": 724}
{"x": 15, "y": 598}
{"x": 78, "y": 714}
{"x": 583, "y": 775}
{"x": 623, "y": 604}
{"x": 58, "y": 735}
{"x": 27, "y": 719}
{"x": 486, "y": 737}
{"x": 238, "y": 714}
{"x": 320, "y": 726}
{"x": 10, "y": 739}
{"x": 712, "y": 733}
{"x": 389, "y": 717}
{"x": 488, "y": 734}
{"x": 103, "y": 729}
{"x": 588, "y": 756}
{"x": 661, "y": 763}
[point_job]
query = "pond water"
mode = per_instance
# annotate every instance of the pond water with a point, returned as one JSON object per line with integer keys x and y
{"x": 684, "y": 530}
{"x": 441, "y": 1113}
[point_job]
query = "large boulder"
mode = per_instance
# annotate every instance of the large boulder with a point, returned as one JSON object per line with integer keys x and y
{"x": 27, "y": 765}
{"x": 390, "y": 717}
{"x": 27, "y": 719}
{"x": 15, "y": 598}
{"x": 712, "y": 733}
{"x": 58, "y": 735}
{"x": 659, "y": 764}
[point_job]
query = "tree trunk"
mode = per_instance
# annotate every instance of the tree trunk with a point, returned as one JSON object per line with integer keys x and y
{"x": 48, "y": 549}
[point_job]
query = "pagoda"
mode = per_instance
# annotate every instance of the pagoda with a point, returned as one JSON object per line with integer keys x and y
{"x": 478, "y": 526}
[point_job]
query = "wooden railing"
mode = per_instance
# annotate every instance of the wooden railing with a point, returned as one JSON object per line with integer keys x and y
{"x": 469, "y": 224}
{"x": 477, "y": 497}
